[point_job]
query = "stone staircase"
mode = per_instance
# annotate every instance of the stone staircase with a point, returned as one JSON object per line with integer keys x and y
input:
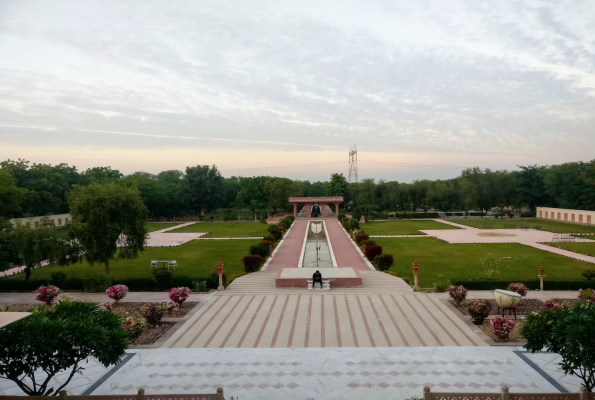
{"x": 263, "y": 282}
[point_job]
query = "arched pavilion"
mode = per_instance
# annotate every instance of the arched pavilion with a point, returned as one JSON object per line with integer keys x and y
{"x": 309, "y": 201}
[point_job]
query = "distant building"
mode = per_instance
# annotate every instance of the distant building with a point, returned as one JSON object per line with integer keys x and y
{"x": 34, "y": 222}
{"x": 567, "y": 215}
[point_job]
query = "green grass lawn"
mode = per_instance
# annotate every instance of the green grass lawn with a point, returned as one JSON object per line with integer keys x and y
{"x": 582, "y": 248}
{"x": 197, "y": 258}
{"x": 407, "y": 227}
{"x": 155, "y": 226}
{"x": 550, "y": 226}
{"x": 227, "y": 229}
{"x": 443, "y": 261}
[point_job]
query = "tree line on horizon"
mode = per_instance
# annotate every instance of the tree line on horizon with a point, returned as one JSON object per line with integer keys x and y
{"x": 34, "y": 189}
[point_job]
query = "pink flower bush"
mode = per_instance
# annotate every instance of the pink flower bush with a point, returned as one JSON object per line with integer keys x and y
{"x": 518, "y": 288}
{"x": 47, "y": 294}
{"x": 502, "y": 326}
{"x": 457, "y": 293}
{"x": 171, "y": 306}
{"x": 117, "y": 292}
{"x": 586, "y": 295}
{"x": 479, "y": 310}
{"x": 179, "y": 295}
{"x": 134, "y": 326}
{"x": 153, "y": 312}
{"x": 556, "y": 304}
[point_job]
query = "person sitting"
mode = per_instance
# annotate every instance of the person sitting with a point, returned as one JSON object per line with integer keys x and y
{"x": 317, "y": 277}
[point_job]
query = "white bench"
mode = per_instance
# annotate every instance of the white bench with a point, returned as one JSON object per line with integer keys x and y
{"x": 326, "y": 285}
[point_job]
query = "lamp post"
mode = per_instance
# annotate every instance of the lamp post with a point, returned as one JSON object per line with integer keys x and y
{"x": 415, "y": 272}
{"x": 220, "y": 272}
{"x": 541, "y": 276}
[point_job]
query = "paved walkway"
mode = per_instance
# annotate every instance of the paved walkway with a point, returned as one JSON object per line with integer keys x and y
{"x": 162, "y": 238}
{"x": 346, "y": 253}
{"x": 287, "y": 255}
{"x": 310, "y": 320}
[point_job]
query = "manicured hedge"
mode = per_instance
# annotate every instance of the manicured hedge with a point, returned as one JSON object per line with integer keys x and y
{"x": 476, "y": 284}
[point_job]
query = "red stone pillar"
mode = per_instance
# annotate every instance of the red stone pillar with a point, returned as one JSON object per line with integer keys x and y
{"x": 295, "y": 210}
{"x": 337, "y": 210}
{"x": 309, "y": 210}
{"x": 323, "y": 210}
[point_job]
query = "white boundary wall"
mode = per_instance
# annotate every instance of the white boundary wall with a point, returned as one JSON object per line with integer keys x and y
{"x": 566, "y": 215}
{"x": 34, "y": 222}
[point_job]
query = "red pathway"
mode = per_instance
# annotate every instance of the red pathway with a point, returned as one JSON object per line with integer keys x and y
{"x": 288, "y": 255}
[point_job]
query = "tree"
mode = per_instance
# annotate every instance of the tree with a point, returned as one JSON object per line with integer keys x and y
{"x": 11, "y": 196}
{"x": 108, "y": 221}
{"x": 570, "y": 333}
{"x": 34, "y": 247}
{"x": 279, "y": 190}
{"x": 202, "y": 188}
{"x": 6, "y": 255}
{"x": 53, "y": 340}
{"x": 337, "y": 186}
{"x": 101, "y": 175}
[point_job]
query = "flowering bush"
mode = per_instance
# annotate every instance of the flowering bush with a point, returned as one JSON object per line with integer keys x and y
{"x": 117, "y": 292}
{"x": 47, "y": 294}
{"x": 457, "y": 293}
{"x": 372, "y": 251}
{"x": 556, "y": 304}
{"x": 171, "y": 306}
{"x": 479, "y": 310}
{"x": 586, "y": 295}
{"x": 134, "y": 326}
{"x": 360, "y": 237}
{"x": 179, "y": 295}
{"x": 502, "y": 326}
{"x": 518, "y": 288}
{"x": 106, "y": 306}
{"x": 153, "y": 312}
{"x": 252, "y": 262}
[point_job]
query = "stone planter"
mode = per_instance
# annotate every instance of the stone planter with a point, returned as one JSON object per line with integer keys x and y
{"x": 506, "y": 299}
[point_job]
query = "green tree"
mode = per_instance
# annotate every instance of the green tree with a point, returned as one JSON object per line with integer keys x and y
{"x": 279, "y": 190}
{"x": 570, "y": 333}
{"x": 57, "y": 339}
{"x": 101, "y": 175}
{"x": 6, "y": 255}
{"x": 202, "y": 188}
{"x": 108, "y": 222}
{"x": 11, "y": 196}
{"x": 338, "y": 186}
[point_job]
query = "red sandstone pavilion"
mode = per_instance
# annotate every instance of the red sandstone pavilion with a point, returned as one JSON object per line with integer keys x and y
{"x": 308, "y": 202}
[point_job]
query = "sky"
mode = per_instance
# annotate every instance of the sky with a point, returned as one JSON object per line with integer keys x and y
{"x": 285, "y": 88}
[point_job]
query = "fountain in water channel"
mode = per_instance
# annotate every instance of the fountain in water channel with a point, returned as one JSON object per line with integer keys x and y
{"x": 317, "y": 253}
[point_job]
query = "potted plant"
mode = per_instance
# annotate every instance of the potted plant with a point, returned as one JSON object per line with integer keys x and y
{"x": 479, "y": 310}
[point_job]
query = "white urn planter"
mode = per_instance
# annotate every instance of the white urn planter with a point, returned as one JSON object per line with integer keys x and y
{"x": 507, "y": 299}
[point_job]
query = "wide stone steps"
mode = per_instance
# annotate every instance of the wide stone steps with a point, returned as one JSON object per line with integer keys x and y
{"x": 263, "y": 282}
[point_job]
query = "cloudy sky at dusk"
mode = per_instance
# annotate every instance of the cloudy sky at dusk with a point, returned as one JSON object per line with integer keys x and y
{"x": 423, "y": 87}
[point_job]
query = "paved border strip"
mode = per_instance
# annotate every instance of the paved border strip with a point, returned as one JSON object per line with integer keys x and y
{"x": 105, "y": 377}
{"x": 541, "y": 372}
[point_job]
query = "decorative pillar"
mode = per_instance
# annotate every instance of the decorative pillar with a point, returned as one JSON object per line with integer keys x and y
{"x": 220, "y": 272}
{"x": 295, "y": 210}
{"x": 337, "y": 210}
{"x": 415, "y": 272}
{"x": 541, "y": 276}
{"x": 309, "y": 210}
{"x": 323, "y": 210}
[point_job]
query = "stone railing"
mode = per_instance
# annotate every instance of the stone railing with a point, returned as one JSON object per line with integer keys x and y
{"x": 139, "y": 396}
{"x": 505, "y": 395}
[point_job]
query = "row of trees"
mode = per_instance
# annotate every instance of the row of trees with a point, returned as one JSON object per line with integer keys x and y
{"x": 39, "y": 189}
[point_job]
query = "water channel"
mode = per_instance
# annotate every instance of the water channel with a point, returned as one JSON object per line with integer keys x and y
{"x": 317, "y": 253}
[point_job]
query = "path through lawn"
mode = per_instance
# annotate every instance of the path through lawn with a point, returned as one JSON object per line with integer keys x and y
{"x": 550, "y": 226}
{"x": 227, "y": 229}
{"x": 406, "y": 227}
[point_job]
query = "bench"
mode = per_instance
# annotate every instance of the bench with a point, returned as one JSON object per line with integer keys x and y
{"x": 326, "y": 285}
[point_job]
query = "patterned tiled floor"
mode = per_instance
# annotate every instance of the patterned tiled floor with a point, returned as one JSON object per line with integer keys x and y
{"x": 296, "y": 321}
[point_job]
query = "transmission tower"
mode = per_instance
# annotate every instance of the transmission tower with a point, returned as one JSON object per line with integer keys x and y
{"x": 353, "y": 164}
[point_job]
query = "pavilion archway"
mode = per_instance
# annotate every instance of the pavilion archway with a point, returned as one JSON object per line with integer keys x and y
{"x": 308, "y": 202}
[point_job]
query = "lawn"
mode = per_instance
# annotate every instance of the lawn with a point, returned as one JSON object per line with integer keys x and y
{"x": 407, "y": 227}
{"x": 443, "y": 261}
{"x": 227, "y": 229}
{"x": 197, "y": 258}
{"x": 582, "y": 248}
{"x": 550, "y": 226}
{"x": 156, "y": 226}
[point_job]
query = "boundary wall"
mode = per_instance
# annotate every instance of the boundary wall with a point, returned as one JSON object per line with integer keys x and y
{"x": 566, "y": 215}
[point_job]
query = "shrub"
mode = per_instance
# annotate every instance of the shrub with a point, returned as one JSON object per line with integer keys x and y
{"x": 518, "y": 288}
{"x": 368, "y": 242}
{"x": 252, "y": 262}
{"x": 213, "y": 281}
{"x": 269, "y": 238}
{"x": 286, "y": 223}
{"x": 267, "y": 243}
{"x": 274, "y": 231}
{"x": 479, "y": 310}
{"x": 360, "y": 237}
{"x": 96, "y": 283}
{"x": 58, "y": 278}
{"x": 179, "y": 295}
{"x": 502, "y": 326}
{"x": 153, "y": 312}
{"x": 372, "y": 251}
{"x": 259, "y": 250}
{"x": 47, "y": 294}
{"x": 134, "y": 326}
{"x": 586, "y": 295}
{"x": 457, "y": 293}
{"x": 556, "y": 304}
{"x": 117, "y": 292}
{"x": 162, "y": 277}
{"x": 341, "y": 217}
{"x": 590, "y": 273}
{"x": 199, "y": 286}
{"x": 353, "y": 223}
{"x": 441, "y": 286}
{"x": 384, "y": 261}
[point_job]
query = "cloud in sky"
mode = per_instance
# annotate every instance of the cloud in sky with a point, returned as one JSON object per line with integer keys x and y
{"x": 472, "y": 83}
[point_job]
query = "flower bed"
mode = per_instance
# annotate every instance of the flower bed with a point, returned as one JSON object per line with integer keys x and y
{"x": 527, "y": 306}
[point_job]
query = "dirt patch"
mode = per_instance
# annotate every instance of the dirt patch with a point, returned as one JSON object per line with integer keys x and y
{"x": 515, "y": 335}
{"x": 494, "y": 234}
{"x": 125, "y": 310}
{"x": 151, "y": 335}
{"x": 527, "y": 306}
